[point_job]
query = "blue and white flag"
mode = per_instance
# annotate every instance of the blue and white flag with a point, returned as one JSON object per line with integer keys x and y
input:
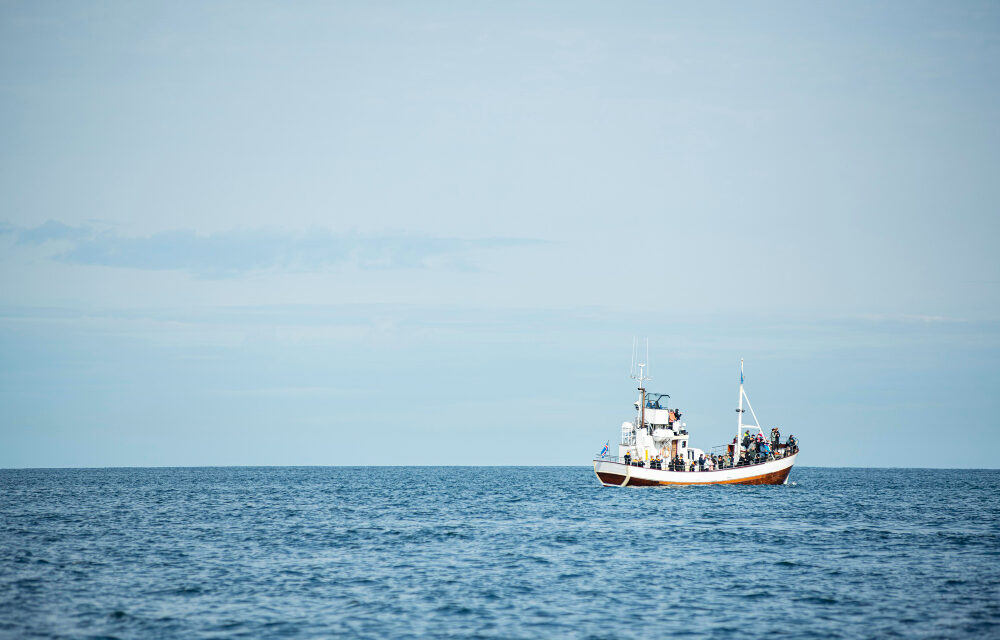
{"x": 607, "y": 448}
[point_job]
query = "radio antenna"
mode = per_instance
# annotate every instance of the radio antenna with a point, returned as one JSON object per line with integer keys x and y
{"x": 640, "y": 368}
{"x": 631, "y": 366}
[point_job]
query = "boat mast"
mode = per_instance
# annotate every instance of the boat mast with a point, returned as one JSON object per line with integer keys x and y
{"x": 641, "y": 377}
{"x": 642, "y": 398}
{"x": 739, "y": 420}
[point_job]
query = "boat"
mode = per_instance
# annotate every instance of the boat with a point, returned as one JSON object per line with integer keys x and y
{"x": 654, "y": 448}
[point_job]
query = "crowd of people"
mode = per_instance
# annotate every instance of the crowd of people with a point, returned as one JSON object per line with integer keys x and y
{"x": 755, "y": 450}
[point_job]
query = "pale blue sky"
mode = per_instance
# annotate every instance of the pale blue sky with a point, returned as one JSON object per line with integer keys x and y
{"x": 425, "y": 233}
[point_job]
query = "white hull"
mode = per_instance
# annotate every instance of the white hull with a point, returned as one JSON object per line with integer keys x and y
{"x": 618, "y": 474}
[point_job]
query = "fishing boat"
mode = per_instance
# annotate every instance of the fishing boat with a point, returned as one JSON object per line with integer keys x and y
{"x": 654, "y": 448}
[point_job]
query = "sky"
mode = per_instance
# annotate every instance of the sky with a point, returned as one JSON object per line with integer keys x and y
{"x": 426, "y": 233}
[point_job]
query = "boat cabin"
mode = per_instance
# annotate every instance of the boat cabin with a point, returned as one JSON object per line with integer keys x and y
{"x": 661, "y": 434}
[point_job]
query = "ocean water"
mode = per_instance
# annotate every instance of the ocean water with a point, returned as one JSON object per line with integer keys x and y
{"x": 495, "y": 552}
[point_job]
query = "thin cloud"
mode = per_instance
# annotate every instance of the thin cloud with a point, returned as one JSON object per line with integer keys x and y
{"x": 51, "y": 230}
{"x": 233, "y": 253}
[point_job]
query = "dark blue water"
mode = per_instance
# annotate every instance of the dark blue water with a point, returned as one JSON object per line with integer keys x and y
{"x": 495, "y": 552}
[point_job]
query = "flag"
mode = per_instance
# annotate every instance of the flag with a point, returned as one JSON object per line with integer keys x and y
{"x": 607, "y": 448}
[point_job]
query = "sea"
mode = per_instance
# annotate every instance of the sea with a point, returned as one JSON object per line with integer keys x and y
{"x": 495, "y": 552}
